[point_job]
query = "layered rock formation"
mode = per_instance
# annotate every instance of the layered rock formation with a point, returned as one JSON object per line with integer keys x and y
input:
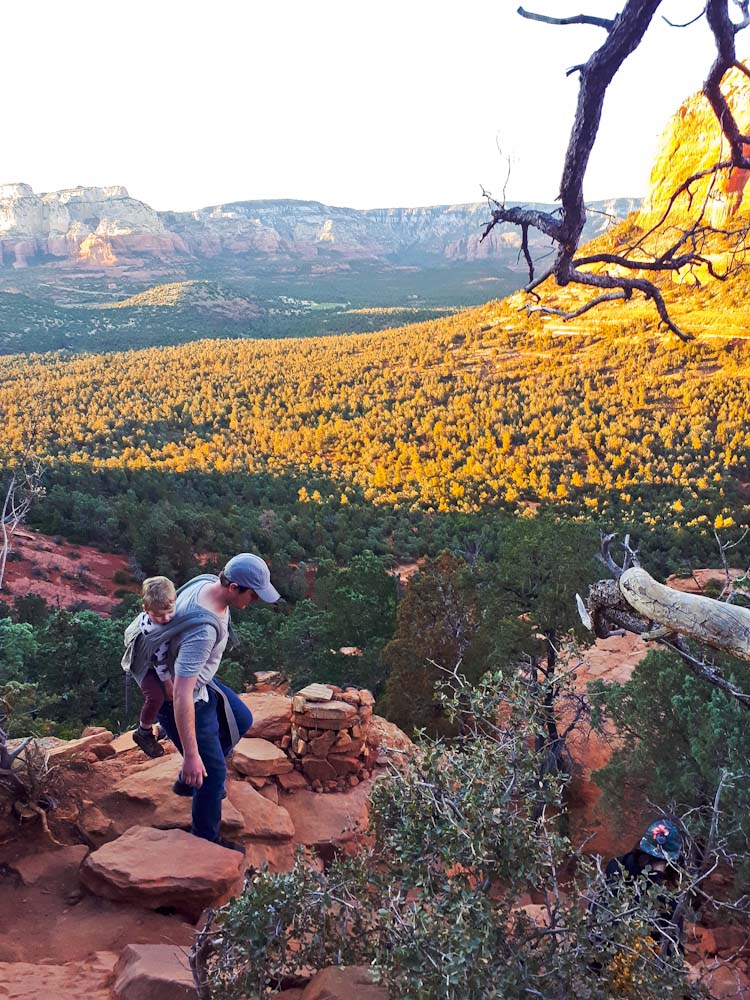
{"x": 92, "y": 226}
{"x": 102, "y": 227}
{"x": 693, "y": 142}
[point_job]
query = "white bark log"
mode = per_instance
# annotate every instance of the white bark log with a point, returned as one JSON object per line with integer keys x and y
{"x": 723, "y": 626}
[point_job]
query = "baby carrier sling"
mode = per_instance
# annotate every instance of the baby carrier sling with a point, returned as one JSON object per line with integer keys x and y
{"x": 140, "y": 648}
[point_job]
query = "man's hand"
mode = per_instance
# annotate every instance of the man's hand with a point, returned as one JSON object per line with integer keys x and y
{"x": 193, "y": 771}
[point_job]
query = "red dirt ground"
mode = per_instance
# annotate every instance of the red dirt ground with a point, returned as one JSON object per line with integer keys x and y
{"x": 63, "y": 574}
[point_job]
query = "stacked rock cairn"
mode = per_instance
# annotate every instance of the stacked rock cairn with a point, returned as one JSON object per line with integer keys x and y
{"x": 328, "y": 739}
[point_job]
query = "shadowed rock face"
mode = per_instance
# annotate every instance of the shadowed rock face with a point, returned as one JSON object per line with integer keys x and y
{"x": 95, "y": 227}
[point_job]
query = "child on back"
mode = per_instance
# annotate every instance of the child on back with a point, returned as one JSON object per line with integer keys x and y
{"x": 158, "y": 596}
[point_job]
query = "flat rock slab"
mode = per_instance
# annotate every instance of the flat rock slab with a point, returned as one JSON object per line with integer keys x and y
{"x": 151, "y": 786}
{"x": 63, "y": 751}
{"x": 272, "y": 714}
{"x": 49, "y": 865}
{"x": 316, "y": 692}
{"x": 86, "y": 980}
{"x": 164, "y": 868}
{"x": 259, "y": 758}
{"x": 153, "y": 972}
{"x": 344, "y": 982}
{"x": 320, "y": 820}
{"x": 261, "y": 817}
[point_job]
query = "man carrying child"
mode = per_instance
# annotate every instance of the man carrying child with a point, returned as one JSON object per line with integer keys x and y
{"x": 207, "y": 718}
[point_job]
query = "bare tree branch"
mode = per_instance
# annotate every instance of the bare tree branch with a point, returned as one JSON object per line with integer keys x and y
{"x": 624, "y": 34}
{"x": 599, "y": 22}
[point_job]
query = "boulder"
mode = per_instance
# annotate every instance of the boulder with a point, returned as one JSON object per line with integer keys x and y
{"x": 259, "y": 758}
{"x": 271, "y": 791}
{"x": 320, "y": 745}
{"x": 344, "y": 763}
{"x": 384, "y": 733}
{"x": 93, "y": 823}
{"x": 261, "y": 818}
{"x": 86, "y": 980}
{"x": 342, "y": 983}
{"x": 272, "y": 714}
{"x": 151, "y": 787}
{"x": 726, "y": 982}
{"x": 42, "y": 866}
{"x": 270, "y": 680}
{"x": 153, "y": 972}
{"x": 164, "y": 868}
{"x": 322, "y": 820}
{"x": 731, "y": 939}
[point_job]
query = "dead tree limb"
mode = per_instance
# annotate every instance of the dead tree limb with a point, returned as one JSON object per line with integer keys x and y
{"x": 24, "y": 489}
{"x": 636, "y": 603}
{"x": 565, "y": 226}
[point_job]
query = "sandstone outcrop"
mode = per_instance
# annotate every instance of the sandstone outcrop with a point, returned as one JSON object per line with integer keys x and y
{"x": 692, "y": 142}
{"x": 153, "y": 972}
{"x": 83, "y": 225}
{"x": 164, "y": 868}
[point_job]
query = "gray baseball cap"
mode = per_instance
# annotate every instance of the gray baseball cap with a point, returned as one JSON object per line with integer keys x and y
{"x": 249, "y": 570}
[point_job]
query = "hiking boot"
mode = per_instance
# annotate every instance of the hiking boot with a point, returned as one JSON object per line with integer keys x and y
{"x": 230, "y": 845}
{"x": 161, "y": 733}
{"x": 146, "y": 740}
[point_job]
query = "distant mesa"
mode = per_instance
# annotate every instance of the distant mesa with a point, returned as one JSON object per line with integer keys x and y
{"x": 103, "y": 227}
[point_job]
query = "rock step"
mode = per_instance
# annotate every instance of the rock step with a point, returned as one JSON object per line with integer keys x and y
{"x": 164, "y": 868}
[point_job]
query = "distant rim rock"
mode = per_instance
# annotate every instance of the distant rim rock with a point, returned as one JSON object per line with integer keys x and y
{"x": 103, "y": 227}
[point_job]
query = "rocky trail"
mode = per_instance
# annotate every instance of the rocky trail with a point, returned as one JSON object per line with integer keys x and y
{"x": 110, "y": 910}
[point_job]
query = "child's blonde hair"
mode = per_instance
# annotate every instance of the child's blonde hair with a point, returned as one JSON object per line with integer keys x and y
{"x": 158, "y": 593}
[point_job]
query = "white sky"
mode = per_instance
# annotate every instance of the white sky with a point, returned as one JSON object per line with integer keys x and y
{"x": 363, "y": 103}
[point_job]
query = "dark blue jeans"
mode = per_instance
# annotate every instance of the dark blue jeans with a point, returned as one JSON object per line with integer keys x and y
{"x": 214, "y": 745}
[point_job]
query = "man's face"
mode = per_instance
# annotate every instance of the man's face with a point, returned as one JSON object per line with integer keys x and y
{"x": 240, "y": 599}
{"x": 161, "y": 616}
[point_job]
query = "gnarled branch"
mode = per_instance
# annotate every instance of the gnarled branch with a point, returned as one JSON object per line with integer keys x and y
{"x": 624, "y": 34}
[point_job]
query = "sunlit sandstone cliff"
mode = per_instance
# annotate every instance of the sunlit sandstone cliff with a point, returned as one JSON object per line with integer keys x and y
{"x": 84, "y": 224}
{"x": 693, "y": 142}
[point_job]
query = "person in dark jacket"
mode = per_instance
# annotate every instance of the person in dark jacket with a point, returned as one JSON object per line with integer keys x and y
{"x": 655, "y": 860}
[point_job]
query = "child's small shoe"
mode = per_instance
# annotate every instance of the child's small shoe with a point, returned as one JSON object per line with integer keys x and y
{"x": 145, "y": 739}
